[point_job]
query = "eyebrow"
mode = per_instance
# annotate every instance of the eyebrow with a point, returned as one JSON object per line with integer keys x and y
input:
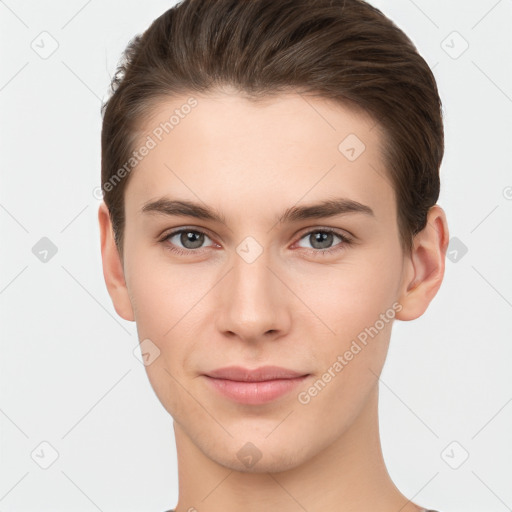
{"x": 327, "y": 208}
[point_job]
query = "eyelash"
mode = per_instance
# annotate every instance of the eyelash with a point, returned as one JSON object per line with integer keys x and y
{"x": 320, "y": 252}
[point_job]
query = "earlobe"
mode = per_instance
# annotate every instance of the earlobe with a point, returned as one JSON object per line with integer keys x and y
{"x": 113, "y": 272}
{"x": 425, "y": 266}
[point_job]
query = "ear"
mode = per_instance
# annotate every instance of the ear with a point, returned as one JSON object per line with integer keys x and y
{"x": 424, "y": 268}
{"x": 113, "y": 272}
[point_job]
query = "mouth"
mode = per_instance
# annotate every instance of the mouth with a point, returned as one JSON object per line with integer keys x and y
{"x": 254, "y": 387}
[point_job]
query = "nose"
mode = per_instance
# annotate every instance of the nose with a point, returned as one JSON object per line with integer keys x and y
{"x": 253, "y": 302}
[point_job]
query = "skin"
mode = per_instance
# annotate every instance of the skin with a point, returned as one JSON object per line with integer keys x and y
{"x": 290, "y": 307}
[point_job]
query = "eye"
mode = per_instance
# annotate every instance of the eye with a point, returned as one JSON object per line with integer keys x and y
{"x": 187, "y": 241}
{"x": 322, "y": 240}
{"x": 190, "y": 240}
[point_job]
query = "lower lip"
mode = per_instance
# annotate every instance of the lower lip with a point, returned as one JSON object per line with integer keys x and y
{"x": 255, "y": 393}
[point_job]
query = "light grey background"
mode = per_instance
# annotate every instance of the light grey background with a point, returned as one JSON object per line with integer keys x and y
{"x": 68, "y": 374}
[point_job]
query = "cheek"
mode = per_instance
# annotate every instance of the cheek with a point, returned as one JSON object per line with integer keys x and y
{"x": 166, "y": 302}
{"x": 157, "y": 290}
{"x": 359, "y": 309}
{"x": 159, "y": 306}
{"x": 352, "y": 296}
{"x": 150, "y": 300}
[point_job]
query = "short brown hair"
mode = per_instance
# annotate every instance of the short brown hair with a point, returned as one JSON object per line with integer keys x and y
{"x": 345, "y": 50}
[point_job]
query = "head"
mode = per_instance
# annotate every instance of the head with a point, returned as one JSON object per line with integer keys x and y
{"x": 265, "y": 114}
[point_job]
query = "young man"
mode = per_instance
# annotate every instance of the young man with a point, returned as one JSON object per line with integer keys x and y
{"x": 270, "y": 174}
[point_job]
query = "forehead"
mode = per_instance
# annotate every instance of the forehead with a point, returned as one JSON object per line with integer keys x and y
{"x": 229, "y": 151}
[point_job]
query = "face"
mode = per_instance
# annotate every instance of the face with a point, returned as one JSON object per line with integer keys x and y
{"x": 291, "y": 258}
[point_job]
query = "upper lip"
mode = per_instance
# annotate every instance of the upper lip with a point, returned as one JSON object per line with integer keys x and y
{"x": 263, "y": 373}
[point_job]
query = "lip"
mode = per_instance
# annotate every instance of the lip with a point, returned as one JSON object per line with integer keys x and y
{"x": 263, "y": 373}
{"x": 256, "y": 386}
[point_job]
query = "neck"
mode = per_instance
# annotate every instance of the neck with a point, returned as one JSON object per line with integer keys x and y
{"x": 347, "y": 475}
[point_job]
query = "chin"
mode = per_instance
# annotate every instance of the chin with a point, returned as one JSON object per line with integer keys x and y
{"x": 269, "y": 463}
{"x": 247, "y": 454}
